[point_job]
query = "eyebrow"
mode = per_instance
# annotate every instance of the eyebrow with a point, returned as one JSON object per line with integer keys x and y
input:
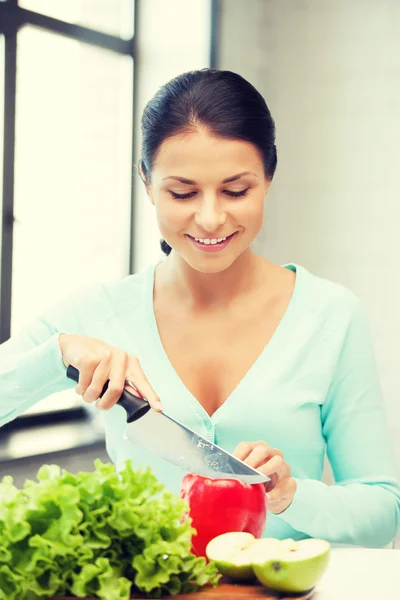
{"x": 227, "y": 180}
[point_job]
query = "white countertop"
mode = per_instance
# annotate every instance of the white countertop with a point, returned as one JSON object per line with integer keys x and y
{"x": 360, "y": 574}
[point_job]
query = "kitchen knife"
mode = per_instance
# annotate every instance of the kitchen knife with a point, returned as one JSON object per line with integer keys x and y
{"x": 172, "y": 441}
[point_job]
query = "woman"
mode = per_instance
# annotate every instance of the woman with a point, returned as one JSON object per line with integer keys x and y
{"x": 270, "y": 362}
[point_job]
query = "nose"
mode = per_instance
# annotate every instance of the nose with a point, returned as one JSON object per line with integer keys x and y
{"x": 210, "y": 215}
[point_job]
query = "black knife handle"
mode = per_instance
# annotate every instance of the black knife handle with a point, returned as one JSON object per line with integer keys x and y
{"x": 135, "y": 407}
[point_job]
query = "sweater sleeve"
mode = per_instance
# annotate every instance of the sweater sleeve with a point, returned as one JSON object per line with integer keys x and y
{"x": 363, "y": 506}
{"x": 31, "y": 366}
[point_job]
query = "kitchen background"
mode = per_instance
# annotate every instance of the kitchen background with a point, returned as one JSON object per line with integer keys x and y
{"x": 74, "y": 78}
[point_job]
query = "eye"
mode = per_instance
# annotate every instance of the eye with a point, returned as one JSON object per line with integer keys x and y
{"x": 237, "y": 194}
{"x": 181, "y": 196}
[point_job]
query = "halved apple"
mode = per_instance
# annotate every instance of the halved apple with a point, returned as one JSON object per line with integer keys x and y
{"x": 282, "y": 565}
{"x": 232, "y": 554}
{"x": 290, "y": 566}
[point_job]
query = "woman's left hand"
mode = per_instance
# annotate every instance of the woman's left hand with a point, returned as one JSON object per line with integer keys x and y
{"x": 269, "y": 461}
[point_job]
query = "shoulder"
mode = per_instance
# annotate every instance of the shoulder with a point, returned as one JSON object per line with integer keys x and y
{"x": 101, "y": 300}
{"x": 331, "y": 306}
{"x": 128, "y": 292}
{"x": 324, "y": 295}
{"x": 334, "y": 317}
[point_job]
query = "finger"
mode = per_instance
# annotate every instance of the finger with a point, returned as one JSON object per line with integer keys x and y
{"x": 132, "y": 388}
{"x": 282, "y": 495}
{"x": 85, "y": 379}
{"x": 116, "y": 381}
{"x": 273, "y": 481}
{"x": 140, "y": 381}
{"x": 281, "y": 473}
{"x": 100, "y": 376}
{"x": 273, "y": 465}
{"x": 87, "y": 367}
{"x": 244, "y": 449}
{"x": 259, "y": 456}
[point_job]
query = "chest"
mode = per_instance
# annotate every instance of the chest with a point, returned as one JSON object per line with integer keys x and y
{"x": 213, "y": 354}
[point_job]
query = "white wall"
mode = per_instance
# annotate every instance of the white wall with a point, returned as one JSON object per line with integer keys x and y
{"x": 330, "y": 72}
{"x": 173, "y": 37}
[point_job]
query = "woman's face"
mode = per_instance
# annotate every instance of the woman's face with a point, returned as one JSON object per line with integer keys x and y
{"x": 206, "y": 189}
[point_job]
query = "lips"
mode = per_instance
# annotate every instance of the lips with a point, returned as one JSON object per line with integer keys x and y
{"x": 223, "y": 237}
{"x": 213, "y": 248}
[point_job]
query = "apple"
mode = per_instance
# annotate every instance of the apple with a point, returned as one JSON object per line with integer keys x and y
{"x": 290, "y": 566}
{"x": 282, "y": 565}
{"x": 232, "y": 554}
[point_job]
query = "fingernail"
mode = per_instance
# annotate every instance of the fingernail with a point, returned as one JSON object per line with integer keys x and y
{"x": 268, "y": 497}
{"x": 159, "y": 405}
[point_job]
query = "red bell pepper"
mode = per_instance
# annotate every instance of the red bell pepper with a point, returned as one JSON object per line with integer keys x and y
{"x": 219, "y": 506}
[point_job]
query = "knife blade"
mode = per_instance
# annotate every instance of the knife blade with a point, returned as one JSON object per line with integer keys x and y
{"x": 172, "y": 441}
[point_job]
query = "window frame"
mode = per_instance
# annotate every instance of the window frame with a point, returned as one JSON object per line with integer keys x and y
{"x": 12, "y": 19}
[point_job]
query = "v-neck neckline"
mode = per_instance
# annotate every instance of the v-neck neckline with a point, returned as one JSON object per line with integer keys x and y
{"x": 256, "y": 366}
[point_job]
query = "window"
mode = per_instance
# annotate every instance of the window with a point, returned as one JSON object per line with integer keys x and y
{"x": 71, "y": 151}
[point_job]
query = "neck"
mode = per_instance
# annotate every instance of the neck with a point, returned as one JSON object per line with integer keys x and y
{"x": 216, "y": 290}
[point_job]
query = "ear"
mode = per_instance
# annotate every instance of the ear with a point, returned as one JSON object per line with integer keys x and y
{"x": 150, "y": 194}
{"x": 267, "y": 185}
{"x": 146, "y": 185}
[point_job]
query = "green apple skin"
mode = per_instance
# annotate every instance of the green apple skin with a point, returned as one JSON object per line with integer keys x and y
{"x": 287, "y": 576}
{"x": 239, "y": 573}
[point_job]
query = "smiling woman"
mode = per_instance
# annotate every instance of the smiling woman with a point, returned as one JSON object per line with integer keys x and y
{"x": 269, "y": 362}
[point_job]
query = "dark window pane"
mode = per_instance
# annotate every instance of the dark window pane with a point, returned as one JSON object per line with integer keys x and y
{"x": 115, "y": 17}
{"x": 2, "y": 50}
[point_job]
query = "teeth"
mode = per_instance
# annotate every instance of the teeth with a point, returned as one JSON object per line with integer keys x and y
{"x": 210, "y": 241}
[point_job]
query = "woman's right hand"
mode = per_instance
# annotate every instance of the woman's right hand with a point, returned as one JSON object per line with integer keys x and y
{"x": 98, "y": 363}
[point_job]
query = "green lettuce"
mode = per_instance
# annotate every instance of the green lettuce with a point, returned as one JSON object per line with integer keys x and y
{"x": 96, "y": 534}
